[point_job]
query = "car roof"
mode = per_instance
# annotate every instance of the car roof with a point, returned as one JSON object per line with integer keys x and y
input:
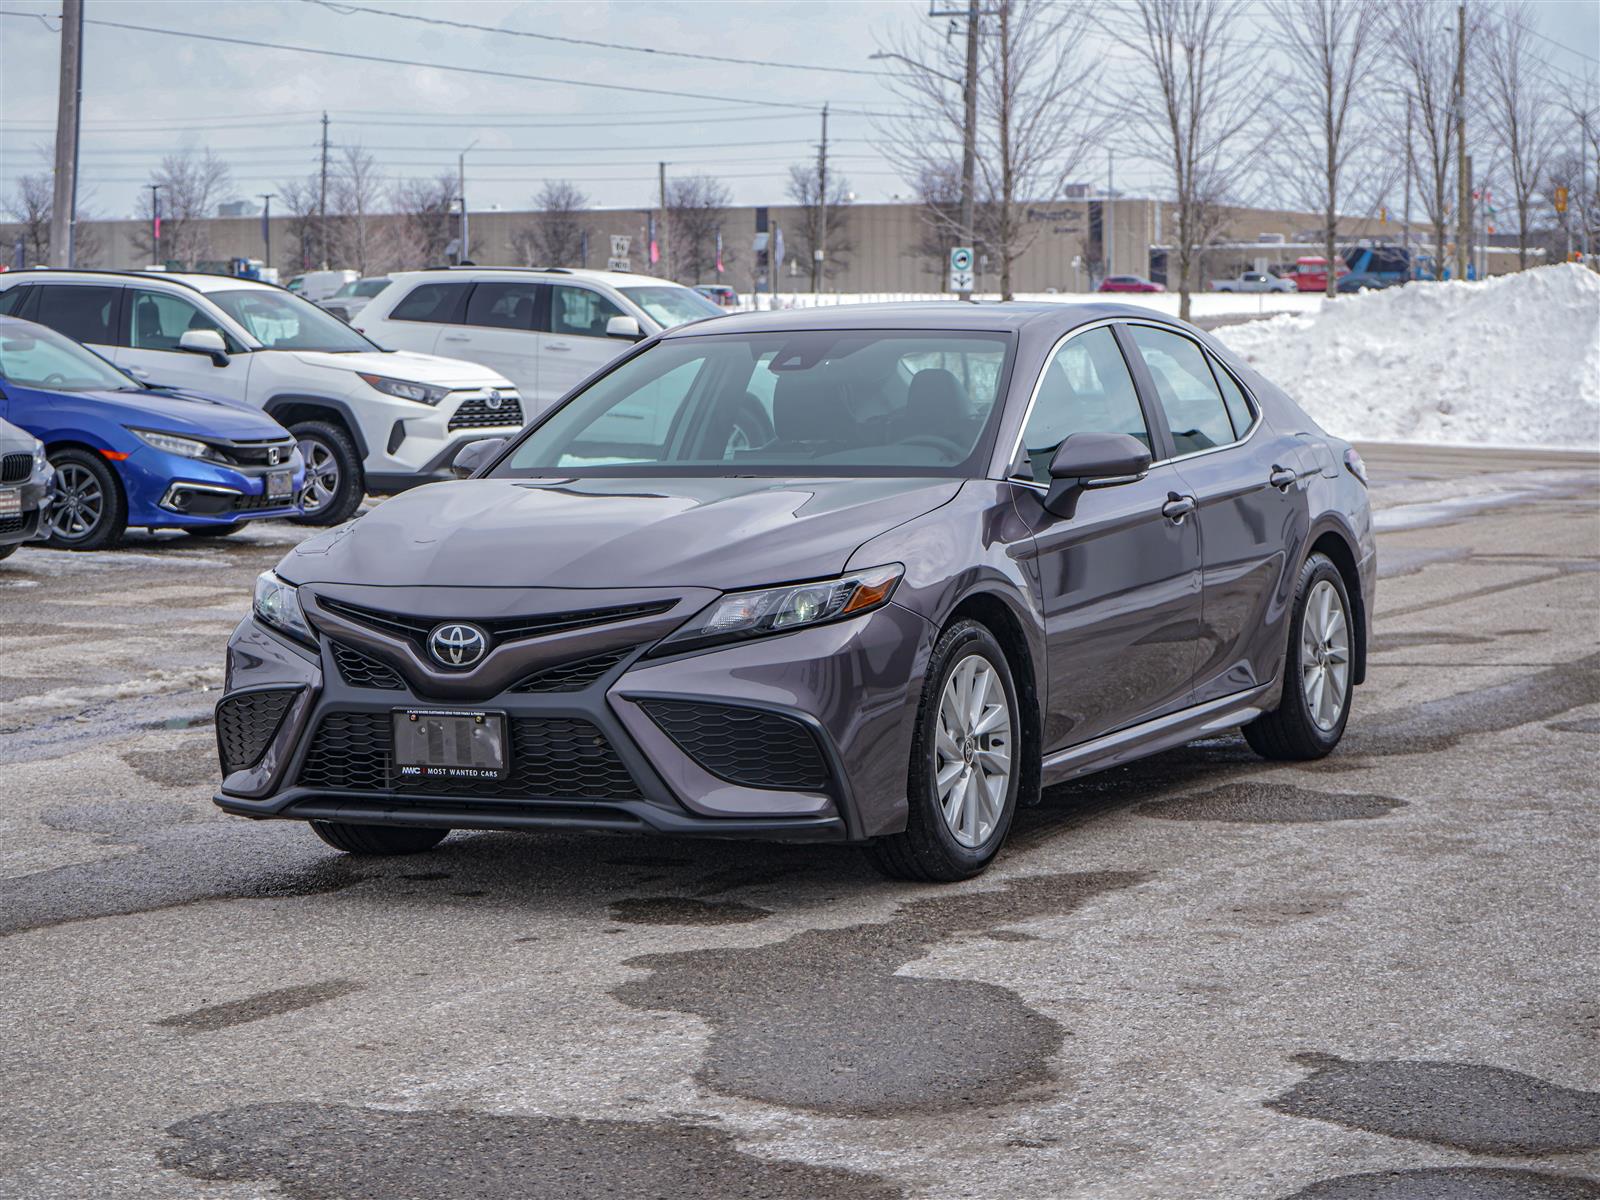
{"x": 922, "y": 314}
{"x": 555, "y": 274}
{"x": 194, "y": 281}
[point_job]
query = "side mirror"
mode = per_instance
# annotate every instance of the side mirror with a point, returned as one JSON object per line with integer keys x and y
{"x": 205, "y": 341}
{"x": 1093, "y": 460}
{"x": 474, "y": 454}
{"x": 624, "y": 327}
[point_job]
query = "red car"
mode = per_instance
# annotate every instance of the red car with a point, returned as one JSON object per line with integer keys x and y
{"x": 1311, "y": 273}
{"x": 1128, "y": 283}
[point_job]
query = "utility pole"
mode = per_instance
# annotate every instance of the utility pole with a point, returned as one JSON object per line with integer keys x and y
{"x": 1463, "y": 166}
{"x": 820, "y": 250}
{"x": 322, "y": 202}
{"x": 969, "y": 131}
{"x": 155, "y": 226}
{"x": 1108, "y": 215}
{"x": 661, "y": 221}
{"x": 464, "y": 228}
{"x": 1405, "y": 216}
{"x": 69, "y": 97}
{"x": 266, "y": 228}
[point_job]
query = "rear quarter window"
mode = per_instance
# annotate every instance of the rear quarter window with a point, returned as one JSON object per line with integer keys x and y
{"x": 439, "y": 303}
{"x": 84, "y": 313}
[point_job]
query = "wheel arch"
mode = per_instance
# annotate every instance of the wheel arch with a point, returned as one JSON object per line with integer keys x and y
{"x": 1337, "y": 546}
{"x": 1000, "y": 618}
{"x": 289, "y": 408}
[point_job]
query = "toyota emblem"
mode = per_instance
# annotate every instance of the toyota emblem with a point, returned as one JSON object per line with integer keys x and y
{"x": 457, "y": 644}
{"x": 493, "y": 400}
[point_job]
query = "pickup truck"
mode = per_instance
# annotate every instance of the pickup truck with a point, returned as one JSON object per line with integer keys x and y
{"x": 1253, "y": 281}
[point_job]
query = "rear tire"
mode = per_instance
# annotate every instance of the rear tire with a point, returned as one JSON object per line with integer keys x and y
{"x": 1318, "y": 671}
{"x": 335, "y": 484}
{"x": 89, "y": 511}
{"x": 957, "y": 835}
{"x": 378, "y": 839}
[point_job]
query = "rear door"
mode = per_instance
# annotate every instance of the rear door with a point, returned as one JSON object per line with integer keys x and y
{"x": 497, "y": 331}
{"x": 575, "y": 345}
{"x": 148, "y": 346}
{"x": 1248, "y": 482}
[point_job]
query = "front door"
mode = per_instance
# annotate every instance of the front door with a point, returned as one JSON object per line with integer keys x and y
{"x": 149, "y": 351}
{"x": 1119, "y": 580}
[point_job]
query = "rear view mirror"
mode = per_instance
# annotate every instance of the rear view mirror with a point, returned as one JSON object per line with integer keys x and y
{"x": 624, "y": 327}
{"x": 205, "y": 341}
{"x": 474, "y": 454}
{"x": 1092, "y": 460}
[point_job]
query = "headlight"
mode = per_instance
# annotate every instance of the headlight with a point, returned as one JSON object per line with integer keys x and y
{"x": 422, "y": 393}
{"x": 171, "y": 443}
{"x": 278, "y": 605}
{"x": 740, "y": 615}
{"x": 41, "y": 464}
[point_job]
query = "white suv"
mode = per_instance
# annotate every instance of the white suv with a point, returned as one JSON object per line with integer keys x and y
{"x": 546, "y": 329}
{"x": 365, "y": 418}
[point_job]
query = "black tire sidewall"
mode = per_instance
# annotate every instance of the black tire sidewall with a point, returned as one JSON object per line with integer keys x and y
{"x": 1316, "y": 569}
{"x": 351, "y": 476}
{"x": 114, "y": 514}
{"x": 962, "y": 640}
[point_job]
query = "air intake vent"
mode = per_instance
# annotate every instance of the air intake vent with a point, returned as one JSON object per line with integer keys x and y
{"x": 745, "y": 746}
{"x": 245, "y": 725}
{"x": 359, "y": 669}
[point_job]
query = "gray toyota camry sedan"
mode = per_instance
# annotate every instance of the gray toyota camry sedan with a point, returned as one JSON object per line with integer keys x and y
{"x": 872, "y": 575}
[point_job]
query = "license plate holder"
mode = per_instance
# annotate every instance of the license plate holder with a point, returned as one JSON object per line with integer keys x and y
{"x": 449, "y": 743}
{"x": 10, "y": 502}
{"x": 280, "y": 485}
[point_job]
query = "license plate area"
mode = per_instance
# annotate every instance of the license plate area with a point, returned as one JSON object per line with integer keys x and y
{"x": 448, "y": 743}
{"x": 280, "y": 485}
{"x": 10, "y": 502}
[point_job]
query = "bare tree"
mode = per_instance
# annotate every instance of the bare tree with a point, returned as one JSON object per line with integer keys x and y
{"x": 191, "y": 188}
{"x": 427, "y": 223}
{"x": 1036, "y": 115}
{"x": 554, "y": 238}
{"x": 1196, "y": 108}
{"x": 30, "y": 207}
{"x": 359, "y": 235}
{"x": 301, "y": 202}
{"x": 824, "y": 221}
{"x": 696, "y": 207}
{"x": 1330, "y": 47}
{"x": 1520, "y": 111}
{"x": 938, "y": 191}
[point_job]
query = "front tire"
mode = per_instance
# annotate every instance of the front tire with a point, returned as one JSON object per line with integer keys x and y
{"x": 378, "y": 839}
{"x": 963, "y": 778}
{"x": 335, "y": 484}
{"x": 88, "y": 511}
{"x": 1317, "y": 671}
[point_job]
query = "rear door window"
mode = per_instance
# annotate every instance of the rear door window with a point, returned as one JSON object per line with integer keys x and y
{"x": 84, "y": 312}
{"x": 1186, "y": 388}
{"x": 503, "y": 305}
{"x": 436, "y": 303}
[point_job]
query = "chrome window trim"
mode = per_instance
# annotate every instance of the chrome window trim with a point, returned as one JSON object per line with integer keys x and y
{"x": 1249, "y": 398}
{"x": 1033, "y": 397}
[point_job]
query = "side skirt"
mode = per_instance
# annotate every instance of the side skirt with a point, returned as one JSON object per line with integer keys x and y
{"x": 1163, "y": 733}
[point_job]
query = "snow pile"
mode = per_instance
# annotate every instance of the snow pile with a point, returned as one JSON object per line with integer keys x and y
{"x": 1508, "y": 361}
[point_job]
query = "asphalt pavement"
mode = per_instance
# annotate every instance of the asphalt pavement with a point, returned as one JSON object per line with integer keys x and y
{"x": 1203, "y": 975}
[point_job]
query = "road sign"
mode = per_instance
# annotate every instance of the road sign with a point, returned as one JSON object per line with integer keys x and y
{"x": 619, "y": 246}
{"x": 1560, "y": 199}
{"x": 960, "y": 258}
{"x": 962, "y": 281}
{"x": 618, "y": 264}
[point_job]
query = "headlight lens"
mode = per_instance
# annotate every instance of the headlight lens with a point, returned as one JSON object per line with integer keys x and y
{"x": 41, "y": 463}
{"x": 422, "y": 393}
{"x": 171, "y": 443}
{"x": 278, "y": 605}
{"x": 740, "y": 615}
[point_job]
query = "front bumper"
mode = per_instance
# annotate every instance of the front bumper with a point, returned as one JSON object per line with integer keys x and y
{"x": 594, "y": 756}
{"x": 420, "y": 442}
{"x": 29, "y": 524}
{"x": 170, "y": 491}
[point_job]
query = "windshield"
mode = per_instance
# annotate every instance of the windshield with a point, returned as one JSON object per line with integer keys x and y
{"x": 670, "y": 306}
{"x": 42, "y": 358}
{"x": 834, "y": 403}
{"x": 280, "y": 321}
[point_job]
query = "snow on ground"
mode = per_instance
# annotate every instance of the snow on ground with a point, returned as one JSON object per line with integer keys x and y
{"x": 1509, "y": 361}
{"x": 1203, "y": 304}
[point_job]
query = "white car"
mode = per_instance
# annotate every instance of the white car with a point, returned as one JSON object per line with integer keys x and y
{"x": 365, "y": 418}
{"x": 353, "y": 297}
{"x": 545, "y": 329}
{"x": 1254, "y": 281}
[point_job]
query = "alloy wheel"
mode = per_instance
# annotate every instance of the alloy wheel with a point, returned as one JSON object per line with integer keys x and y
{"x": 322, "y": 474}
{"x": 79, "y": 504}
{"x": 972, "y": 751}
{"x": 1325, "y": 655}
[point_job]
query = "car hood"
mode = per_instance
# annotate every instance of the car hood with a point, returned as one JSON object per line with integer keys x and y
{"x": 608, "y": 533}
{"x": 411, "y": 367}
{"x": 168, "y": 411}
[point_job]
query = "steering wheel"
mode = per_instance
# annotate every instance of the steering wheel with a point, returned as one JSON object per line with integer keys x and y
{"x": 54, "y": 379}
{"x": 942, "y": 444}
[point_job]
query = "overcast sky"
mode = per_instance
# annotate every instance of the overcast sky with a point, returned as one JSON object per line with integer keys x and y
{"x": 147, "y": 94}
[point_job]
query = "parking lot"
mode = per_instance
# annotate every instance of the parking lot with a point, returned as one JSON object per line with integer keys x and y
{"x": 1202, "y": 975}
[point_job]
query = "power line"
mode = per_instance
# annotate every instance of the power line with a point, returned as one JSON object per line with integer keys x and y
{"x": 346, "y": 10}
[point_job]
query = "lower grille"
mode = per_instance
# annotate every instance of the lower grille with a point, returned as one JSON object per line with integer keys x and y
{"x": 261, "y": 503}
{"x": 14, "y": 468}
{"x": 555, "y": 759}
{"x": 573, "y": 676}
{"x": 361, "y": 670}
{"x": 745, "y": 746}
{"x": 245, "y": 725}
{"x": 14, "y": 524}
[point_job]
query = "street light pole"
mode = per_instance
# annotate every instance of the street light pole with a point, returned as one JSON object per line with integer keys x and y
{"x": 266, "y": 227}
{"x": 465, "y": 248}
{"x": 155, "y": 225}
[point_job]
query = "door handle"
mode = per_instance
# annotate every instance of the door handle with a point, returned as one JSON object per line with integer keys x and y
{"x": 456, "y": 337}
{"x": 1283, "y": 478}
{"x": 1177, "y": 507}
{"x": 562, "y": 346}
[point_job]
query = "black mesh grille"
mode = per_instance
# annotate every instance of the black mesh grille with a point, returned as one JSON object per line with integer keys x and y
{"x": 245, "y": 725}
{"x": 14, "y": 524}
{"x": 476, "y": 414}
{"x": 573, "y": 676}
{"x": 14, "y": 468}
{"x": 259, "y": 453}
{"x": 261, "y": 503}
{"x": 361, "y": 670}
{"x": 553, "y": 759}
{"x": 743, "y": 745}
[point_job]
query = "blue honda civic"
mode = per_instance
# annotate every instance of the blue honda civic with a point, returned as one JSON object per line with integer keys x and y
{"x": 128, "y": 454}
